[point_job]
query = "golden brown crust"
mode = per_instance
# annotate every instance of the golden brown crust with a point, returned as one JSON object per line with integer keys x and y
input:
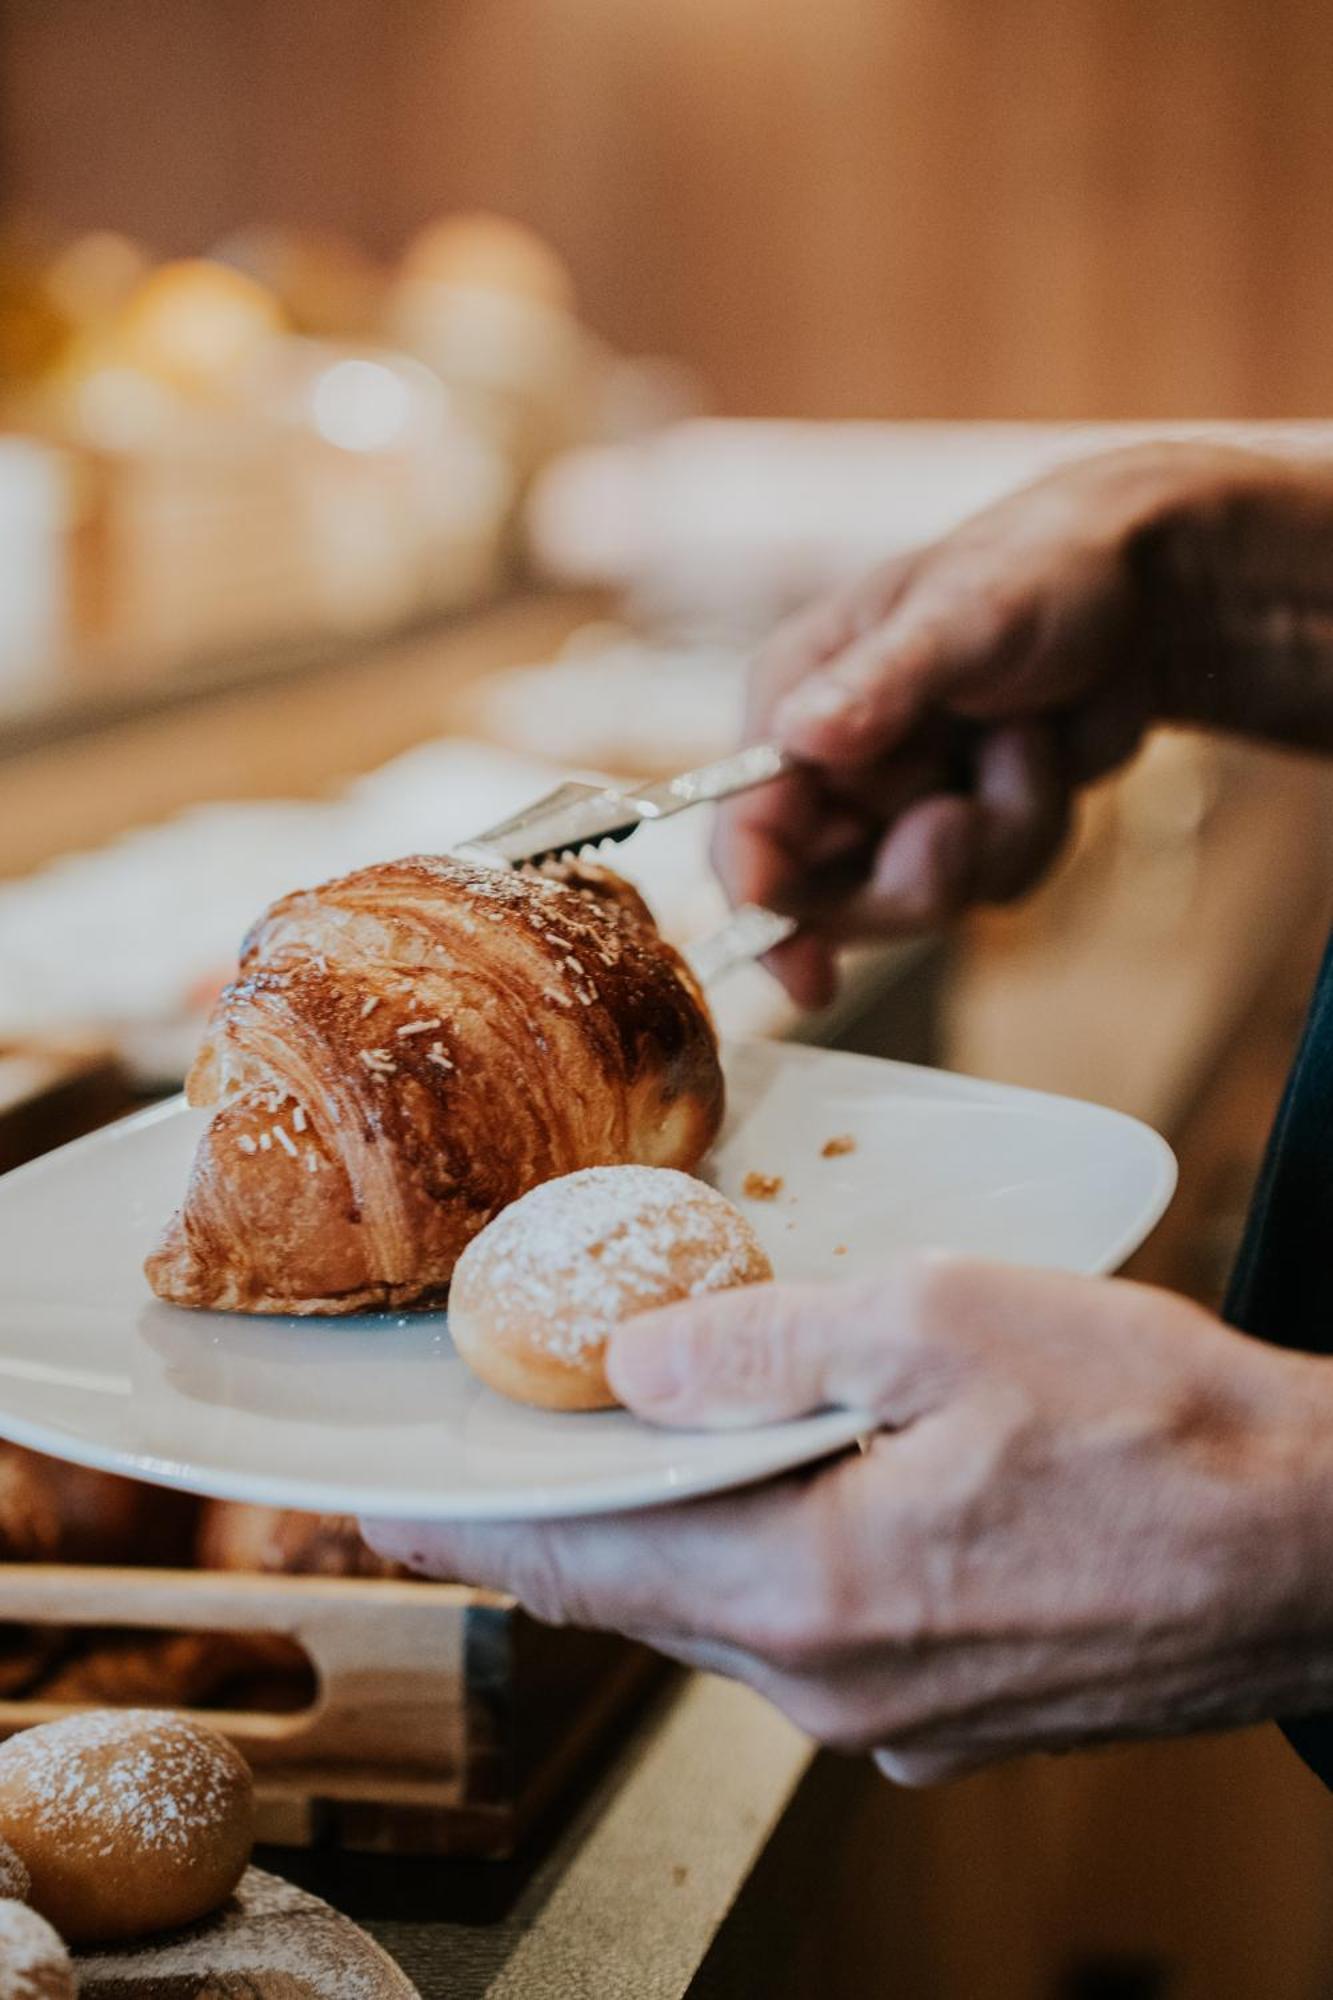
{"x": 128, "y": 1821}
{"x": 407, "y": 1050}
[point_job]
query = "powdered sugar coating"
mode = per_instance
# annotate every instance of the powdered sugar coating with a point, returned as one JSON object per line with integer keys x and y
{"x": 34, "y": 1964}
{"x": 15, "y": 1881}
{"x": 565, "y": 1264}
{"x": 166, "y": 1782}
{"x": 272, "y": 1932}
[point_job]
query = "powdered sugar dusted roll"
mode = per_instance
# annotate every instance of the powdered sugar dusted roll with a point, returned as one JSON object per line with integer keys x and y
{"x": 538, "y": 1293}
{"x": 128, "y": 1820}
{"x": 34, "y": 1964}
{"x": 15, "y": 1881}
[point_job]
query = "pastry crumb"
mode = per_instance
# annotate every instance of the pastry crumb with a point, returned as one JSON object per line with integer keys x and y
{"x": 833, "y": 1149}
{"x": 761, "y": 1187}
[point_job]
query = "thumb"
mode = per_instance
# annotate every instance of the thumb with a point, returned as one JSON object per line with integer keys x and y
{"x": 764, "y": 1353}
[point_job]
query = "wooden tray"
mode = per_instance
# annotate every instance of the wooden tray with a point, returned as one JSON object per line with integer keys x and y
{"x": 444, "y": 1721}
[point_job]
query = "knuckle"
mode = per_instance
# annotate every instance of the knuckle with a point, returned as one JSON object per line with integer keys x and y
{"x": 816, "y": 1605}
{"x": 936, "y": 1288}
{"x": 870, "y": 602}
{"x": 750, "y": 1361}
{"x": 799, "y": 645}
{"x": 950, "y": 1295}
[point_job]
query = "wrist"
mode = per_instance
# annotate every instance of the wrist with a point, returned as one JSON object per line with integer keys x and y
{"x": 1280, "y": 1566}
{"x": 1232, "y": 560}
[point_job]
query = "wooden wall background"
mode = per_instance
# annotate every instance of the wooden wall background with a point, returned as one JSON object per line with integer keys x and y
{"x": 1040, "y": 208}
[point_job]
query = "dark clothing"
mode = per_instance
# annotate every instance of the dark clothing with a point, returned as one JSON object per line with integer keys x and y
{"x": 1282, "y": 1286}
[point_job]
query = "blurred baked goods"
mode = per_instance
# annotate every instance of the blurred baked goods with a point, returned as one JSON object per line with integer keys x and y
{"x": 90, "y": 279}
{"x": 408, "y": 1049}
{"x": 196, "y": 326}
{"x": 252, "y": 462}
{"x": 34, "y": 1964}
{"x": 492, "y": 253}
{"x": 53, "y": 1512}
{"x": 490, "y": 306}
{"x": 276, "y": 1541}
{"x": 27, "y": 1654}
{"x": 128, "y": 1821}
{"x": 325, "y": 285}
{"x": 56, "y": 1513}
{"x": 184, "y": 1670}
{"x": 34, "y": 331}
{"x": 537, "y": 1295}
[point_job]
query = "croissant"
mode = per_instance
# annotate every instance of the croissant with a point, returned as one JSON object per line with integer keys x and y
{"x": 410, "y": 1048}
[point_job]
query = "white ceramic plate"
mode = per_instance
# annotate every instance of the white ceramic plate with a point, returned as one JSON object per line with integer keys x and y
{"x": 376, "y": 1415}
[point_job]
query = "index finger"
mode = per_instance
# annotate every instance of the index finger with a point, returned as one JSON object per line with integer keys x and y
{"x": 800, "y": 645}
{"x": 762, "y": 839}
{"x": 715, "y": 1569}
{"x": 765, "y": 844}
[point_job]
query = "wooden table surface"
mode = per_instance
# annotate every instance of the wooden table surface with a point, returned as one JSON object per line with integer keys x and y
{"x": 626, "y": 1899}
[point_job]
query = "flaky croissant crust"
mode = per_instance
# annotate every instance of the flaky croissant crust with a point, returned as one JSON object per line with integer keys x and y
{"x": 408, "y": 1049}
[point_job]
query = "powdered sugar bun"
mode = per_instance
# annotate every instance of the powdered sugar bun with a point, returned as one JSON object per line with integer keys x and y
{"x": 15, "y": 1881}
{"x": 34, "y": 1964}
{"x": 128, "y": 1820}
{"x": 537, "y": 1294}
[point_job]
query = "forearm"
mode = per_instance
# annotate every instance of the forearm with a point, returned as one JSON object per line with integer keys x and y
{"x": 1237, "y": 563}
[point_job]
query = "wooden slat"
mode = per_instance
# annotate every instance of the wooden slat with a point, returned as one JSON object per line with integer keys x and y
{"x": 389, "y": 1657}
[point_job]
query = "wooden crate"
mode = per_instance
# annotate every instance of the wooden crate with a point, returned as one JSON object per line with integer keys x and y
{"x": 444, "y": 1720}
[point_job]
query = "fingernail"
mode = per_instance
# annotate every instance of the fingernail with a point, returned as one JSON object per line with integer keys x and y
{"x": 647, "y": 1368}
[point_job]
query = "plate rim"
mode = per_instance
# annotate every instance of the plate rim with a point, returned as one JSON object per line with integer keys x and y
{"x": 799, "y": 1442}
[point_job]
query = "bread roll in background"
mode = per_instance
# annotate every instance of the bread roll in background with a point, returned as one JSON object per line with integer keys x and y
{"x": 34, "y": 1961}
{"x": 58, "y": 1513}
{"x": 537, "y": 1295}
{"x": 128, "y": 1821}
{"x": 276, "y": 1542}
{"x": 15, "y": 1881}
{"x": 29, "y": 1654}
{"x": 263, "y": 1670}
